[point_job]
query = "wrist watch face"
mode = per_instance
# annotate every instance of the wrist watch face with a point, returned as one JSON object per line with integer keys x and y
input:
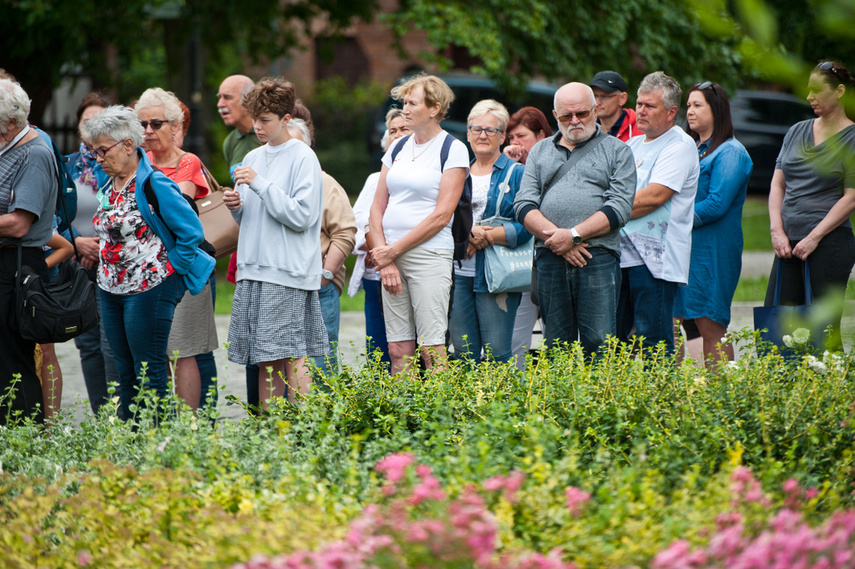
{"x": 328, "y": 274}
{"x": 576, "y": 237}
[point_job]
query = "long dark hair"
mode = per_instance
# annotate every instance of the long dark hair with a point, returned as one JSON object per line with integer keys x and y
{"x": 531, "y": 118}
{"x": 716, "y": 98}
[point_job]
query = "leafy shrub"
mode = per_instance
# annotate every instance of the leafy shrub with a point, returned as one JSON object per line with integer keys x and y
{"x": 609, "y": 461}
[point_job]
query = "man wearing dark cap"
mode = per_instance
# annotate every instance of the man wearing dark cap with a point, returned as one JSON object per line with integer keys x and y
{"x": 610, "y": 90}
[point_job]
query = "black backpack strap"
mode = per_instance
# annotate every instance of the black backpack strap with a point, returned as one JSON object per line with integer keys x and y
{"x": 443, "y": 153}
{"x": 399, "y": 146}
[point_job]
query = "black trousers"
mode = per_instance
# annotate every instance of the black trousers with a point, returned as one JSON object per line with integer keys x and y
{"x": 16, "y": 354}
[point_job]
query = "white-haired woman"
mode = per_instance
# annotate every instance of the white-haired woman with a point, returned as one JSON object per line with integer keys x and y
{"x": 194, "y": 331}
{"x": 148, "y": 255}
{"x": 365, "y": 276}
{"x": 479, "y": 319}
{"x": 410, "y": 223}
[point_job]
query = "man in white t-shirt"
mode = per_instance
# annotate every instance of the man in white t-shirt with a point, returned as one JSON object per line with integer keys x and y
{"x": 656, "y": 244}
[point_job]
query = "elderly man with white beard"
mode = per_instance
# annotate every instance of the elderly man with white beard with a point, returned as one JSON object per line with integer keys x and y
{"x": 576, "y": 194}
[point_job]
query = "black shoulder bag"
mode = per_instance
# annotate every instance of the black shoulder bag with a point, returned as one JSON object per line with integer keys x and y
{"x": 57, "y": 311}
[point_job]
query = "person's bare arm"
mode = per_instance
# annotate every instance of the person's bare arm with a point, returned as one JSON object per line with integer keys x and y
{"x": 16, "y": 224}
{"x": 780, "y": 241}
{"x": 649, "y": 199}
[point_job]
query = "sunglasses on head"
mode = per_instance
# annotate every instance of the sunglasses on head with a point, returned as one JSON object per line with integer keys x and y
{"x": 155, "y": 124}
{"x": 706, "y": 85}
{"x": 829, "y": 66}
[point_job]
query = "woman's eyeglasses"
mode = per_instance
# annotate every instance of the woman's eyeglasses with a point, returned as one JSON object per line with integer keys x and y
{"x": 102, "y": 152}
{"x": 706, "y": 85}
{"x": 488, "y": 130}
{"x": 155, "y": 124}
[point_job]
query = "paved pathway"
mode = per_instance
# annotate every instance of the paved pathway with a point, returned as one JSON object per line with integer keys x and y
{"x": 352, "y": 330}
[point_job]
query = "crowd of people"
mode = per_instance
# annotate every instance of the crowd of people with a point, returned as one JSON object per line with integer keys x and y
{"x": 629, "y": 226}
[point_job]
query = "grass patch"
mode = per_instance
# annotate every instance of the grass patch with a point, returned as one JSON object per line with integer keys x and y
{"x": 755, "y": 225}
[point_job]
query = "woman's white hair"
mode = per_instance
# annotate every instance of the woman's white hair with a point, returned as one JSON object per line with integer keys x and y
{"x": 14, "y": 103}
{"x": 116, "y": 123}
{"x": 299, "y": 125}
{"x": 495, "y": 108}
{"x": 157, "y": 97}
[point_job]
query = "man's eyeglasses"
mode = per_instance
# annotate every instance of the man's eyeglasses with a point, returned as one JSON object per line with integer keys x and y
{"x": 102, "y": 152}
{"x": 606, "y": 96}
{"x": 488, "y": 130}
{"x": 579, "y": 115}
{"x": 829, "y": 66}
{"x": 155, "y": 124}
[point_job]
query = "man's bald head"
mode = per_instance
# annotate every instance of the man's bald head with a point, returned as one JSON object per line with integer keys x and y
{"x": 574, "y": 93}
{"x": 232, "y": 90}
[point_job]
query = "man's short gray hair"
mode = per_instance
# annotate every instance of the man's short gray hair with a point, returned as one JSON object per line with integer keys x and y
{"x": 14, "y": 103}
{"x": 671, "y": 92}
{"x": 300, "y": 126}
{"x": 157, "y": 97}
{"x": 116, "y": 123}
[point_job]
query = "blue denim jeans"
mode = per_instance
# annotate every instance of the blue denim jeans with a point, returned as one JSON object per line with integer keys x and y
{"x": 481, "y": 320}
{"x": 375, "y": 324}
{"x": 138, "y": 326}
{"x": 331, "y": 312}
{"x": 96, "y": 362}
{"x": 578, "y": 303}
{"x": 646, "y": 304}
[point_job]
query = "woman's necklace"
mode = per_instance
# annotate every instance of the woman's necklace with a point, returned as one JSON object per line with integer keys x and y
{"x": 167, "y": 161}
{"x": 425, "y": 149}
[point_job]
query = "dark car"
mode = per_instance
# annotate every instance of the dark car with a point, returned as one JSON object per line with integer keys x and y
{"x": 760, "y": 121}
{"x": 468, "y": 90}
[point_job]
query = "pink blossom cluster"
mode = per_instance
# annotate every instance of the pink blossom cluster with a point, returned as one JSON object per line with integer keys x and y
{"x": 509, "y": 485}
{"x": 575, "y": 499}
{"x": 745, "y": 487}
{"x": 419, "y": 527}
{"x": 786, "y": 543}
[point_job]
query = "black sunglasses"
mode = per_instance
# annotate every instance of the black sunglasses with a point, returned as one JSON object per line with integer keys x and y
{"x": 829, "y": 66}
{"x": 706, "y": 85}
{"x": 155, "y": 124}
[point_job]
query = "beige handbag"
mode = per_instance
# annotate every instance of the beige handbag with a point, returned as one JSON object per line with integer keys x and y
{"x": 221, "y": 230}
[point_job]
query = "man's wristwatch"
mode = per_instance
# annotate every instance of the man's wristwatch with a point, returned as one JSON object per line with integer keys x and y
{"x": 576, "y": 237}
{"x": 328, "y": 274}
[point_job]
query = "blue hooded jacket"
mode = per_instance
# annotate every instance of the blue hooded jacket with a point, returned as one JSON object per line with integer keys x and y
{"x": 177, "y": 226}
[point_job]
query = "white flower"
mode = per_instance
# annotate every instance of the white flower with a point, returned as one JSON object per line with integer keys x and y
{"x": 801, "y": 335}
{"x": 788, "y": 340}
{"x": 816, "y": 365}
{"x": 732, "y": 365}
{"x": 162, "y": 446}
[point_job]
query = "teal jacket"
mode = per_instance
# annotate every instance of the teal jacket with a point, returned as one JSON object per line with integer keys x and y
{"x": 178, "y": 226}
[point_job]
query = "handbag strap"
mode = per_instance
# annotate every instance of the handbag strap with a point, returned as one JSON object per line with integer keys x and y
{"x": 503, "y": 187}
{"x": 575, "y": 156}
{"x": 779, "y": 277}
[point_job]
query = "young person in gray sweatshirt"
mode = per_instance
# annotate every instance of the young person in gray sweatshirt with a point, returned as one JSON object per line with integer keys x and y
{"x": 575, "y": 216}
{"x": 278, "y": 200}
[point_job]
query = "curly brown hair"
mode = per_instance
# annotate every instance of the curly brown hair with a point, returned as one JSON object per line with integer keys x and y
{"x": 270, "y": 95}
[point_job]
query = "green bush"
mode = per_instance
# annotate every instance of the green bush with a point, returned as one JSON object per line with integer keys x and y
{"x": 652, "y": 442}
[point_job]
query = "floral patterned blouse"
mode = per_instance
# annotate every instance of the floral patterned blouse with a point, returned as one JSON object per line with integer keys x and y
{"x": 133, "y": 258}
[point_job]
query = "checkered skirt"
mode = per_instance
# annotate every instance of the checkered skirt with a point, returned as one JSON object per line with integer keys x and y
{"x": 273, "y": 322}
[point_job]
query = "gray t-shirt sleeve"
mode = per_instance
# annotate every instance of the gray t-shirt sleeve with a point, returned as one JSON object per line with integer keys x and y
{"x": 34, "y": 188}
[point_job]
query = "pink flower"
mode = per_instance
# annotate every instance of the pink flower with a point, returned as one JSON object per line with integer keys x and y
{"x": 84, "y": 558}
{"x": 791, "y": 486}
{"x": 576, "y": 498}
{"x": 509, "y": 484}
{"x": 394, "y": 466}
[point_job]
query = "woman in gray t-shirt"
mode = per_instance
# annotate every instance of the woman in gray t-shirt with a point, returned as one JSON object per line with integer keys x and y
{"x": 813, "y": 194}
